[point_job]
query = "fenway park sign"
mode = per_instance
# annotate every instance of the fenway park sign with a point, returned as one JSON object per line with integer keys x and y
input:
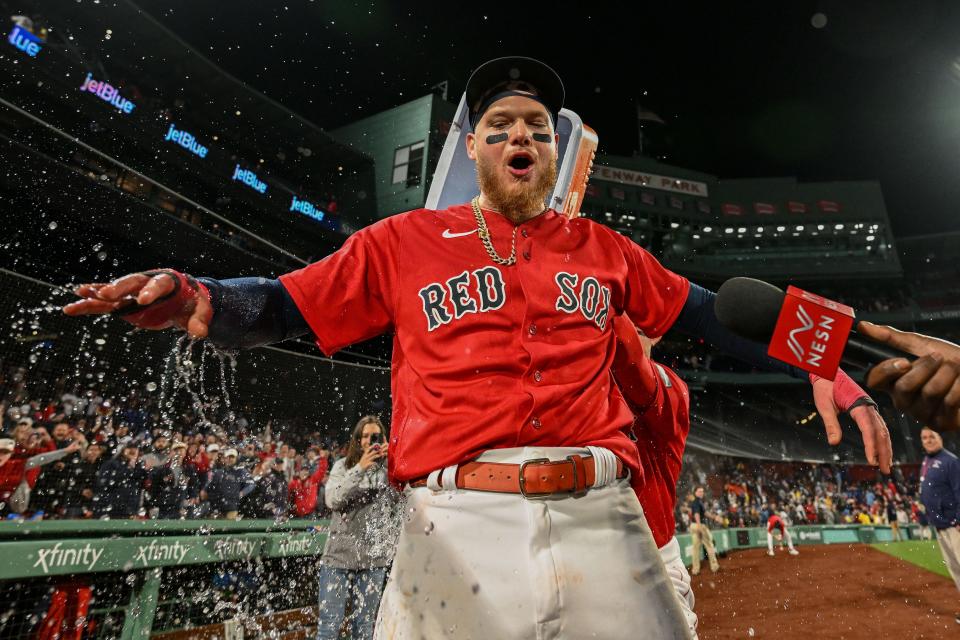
{"x": 651, "y": 180}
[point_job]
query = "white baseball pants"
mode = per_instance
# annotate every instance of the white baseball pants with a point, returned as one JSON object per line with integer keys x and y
{"x": 481, "y": 565}
{"x": 680, "y": 577}
{"x": 786, "y": 536}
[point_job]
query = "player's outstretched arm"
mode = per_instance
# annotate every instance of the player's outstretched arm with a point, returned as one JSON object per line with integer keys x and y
{"x": 239, "y": 313}
{"x": 929, "y": 387}
{"x": 843, "y": 394}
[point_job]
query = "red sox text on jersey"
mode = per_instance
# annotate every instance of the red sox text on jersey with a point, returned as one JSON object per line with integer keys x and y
{"x": 489, "y": 356}
{"x": 445, "y": 302}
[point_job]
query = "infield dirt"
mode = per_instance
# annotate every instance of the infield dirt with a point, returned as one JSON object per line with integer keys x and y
{"x": 851, "y": 592}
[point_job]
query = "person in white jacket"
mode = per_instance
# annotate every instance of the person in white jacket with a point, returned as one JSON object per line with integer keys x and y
{"x": 360, "y": 544}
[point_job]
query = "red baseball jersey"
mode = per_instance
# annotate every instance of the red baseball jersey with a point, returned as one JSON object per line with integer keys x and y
{"x": 774, "y": 522}
{"x": 660, "y": 401}
{"x": 487, "y": 356}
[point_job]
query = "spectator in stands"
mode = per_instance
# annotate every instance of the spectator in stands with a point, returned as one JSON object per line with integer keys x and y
{"x": 269, "y": 498}
{"x": 305, "y": 487}
{"x": 702, "y": 538}
{"x": 31, "y": 442}
{"x": 115, "y": 439}
{"x": 213, "y": 456}
{"x": 119, "y": 490}
{"x": 173, "y": 485}
{"x": 14, "y": 473}
{"x": 83, "y": 482}
{"x": 354, "y": 566}
{"x": 63, "y": 434}
{"x": 890, "y": 518}
{"x": 227, "y": 484}
{"x": 940, "y": 494}
{"x": 52, "y": 489}
{"x": 157, "y": 453}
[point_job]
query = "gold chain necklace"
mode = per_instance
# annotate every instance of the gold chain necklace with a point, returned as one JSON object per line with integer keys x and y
{"x": 484, "y": 234}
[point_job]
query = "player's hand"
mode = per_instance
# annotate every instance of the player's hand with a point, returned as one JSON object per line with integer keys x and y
{"x": 372, "y": 456}
{"x": 929, "y": 387}
{"x": 832, "y": 398}
{"x": 189, "y": 310}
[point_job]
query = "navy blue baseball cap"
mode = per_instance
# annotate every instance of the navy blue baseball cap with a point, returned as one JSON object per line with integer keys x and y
{"x": 514, "y": 75}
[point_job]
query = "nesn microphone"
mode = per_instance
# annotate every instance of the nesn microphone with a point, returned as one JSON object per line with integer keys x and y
{"x": 802, "y": 329}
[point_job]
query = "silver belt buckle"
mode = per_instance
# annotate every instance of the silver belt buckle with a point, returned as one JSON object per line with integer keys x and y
{"x": 523, "y": 480}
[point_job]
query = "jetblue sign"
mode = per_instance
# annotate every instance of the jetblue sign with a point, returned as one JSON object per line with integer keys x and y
{"x": 106, "y": 92}
{"x": 25, "y": 41}
{"x": 185, "y": 140}
{"x": 307, "y": 209}
{"x": 249, "y": 178}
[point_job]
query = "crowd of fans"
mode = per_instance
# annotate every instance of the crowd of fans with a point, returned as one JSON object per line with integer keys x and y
{"x": 82, "y": 457}
{"x": 744, "y": 493}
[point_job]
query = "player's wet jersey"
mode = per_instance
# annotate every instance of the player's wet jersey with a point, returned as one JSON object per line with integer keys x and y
{"x": 489, "y": 356}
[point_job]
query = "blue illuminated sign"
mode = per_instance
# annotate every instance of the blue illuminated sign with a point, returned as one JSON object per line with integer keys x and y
{"x": 307, "y": 209}
{"x": 249, "y": 178}
{"x": 106, "y": 92}
{"x": 25, "y": 41}
{"x": 185, "y": 140}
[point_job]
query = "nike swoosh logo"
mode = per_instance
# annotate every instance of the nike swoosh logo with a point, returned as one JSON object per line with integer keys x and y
{"x": 448, "y": 234}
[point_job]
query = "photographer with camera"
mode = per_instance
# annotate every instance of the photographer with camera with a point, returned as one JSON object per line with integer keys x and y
{"x": 357, "y": 553}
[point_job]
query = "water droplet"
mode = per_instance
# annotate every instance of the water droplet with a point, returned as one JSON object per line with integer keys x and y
{"x": 52, "y": 226}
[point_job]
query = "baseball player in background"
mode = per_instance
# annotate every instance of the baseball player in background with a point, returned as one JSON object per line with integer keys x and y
{"x": 660, "y": 402}
{"x": 777, "y": 528}
{"x": 508, "y": 435}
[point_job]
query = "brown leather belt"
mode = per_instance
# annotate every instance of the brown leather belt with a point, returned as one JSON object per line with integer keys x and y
{"x": 531, "y": 478}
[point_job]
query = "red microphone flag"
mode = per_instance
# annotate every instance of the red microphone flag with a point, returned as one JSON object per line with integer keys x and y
{"x": 811, "y": 332}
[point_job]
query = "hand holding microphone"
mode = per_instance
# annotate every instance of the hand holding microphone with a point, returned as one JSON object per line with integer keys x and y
{"x": 927, "y": 388}
{"x": 816, "y": 335}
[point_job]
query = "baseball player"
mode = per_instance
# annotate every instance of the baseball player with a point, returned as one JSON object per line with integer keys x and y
{"x": 660, "y": 402}
{"x": 508, "y": 432}
{"x": 777, "y": 528}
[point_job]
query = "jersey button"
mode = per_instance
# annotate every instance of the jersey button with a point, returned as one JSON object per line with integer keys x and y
{"x": 524, "y": 233}
{"x": 535, "y": 423}
{"x": 532, "y": 330}
{"x": 537, "y": 376}
{"x": 526, "y": 256}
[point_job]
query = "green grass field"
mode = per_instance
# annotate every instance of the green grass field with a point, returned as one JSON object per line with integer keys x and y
{"x": 923, "y": 553}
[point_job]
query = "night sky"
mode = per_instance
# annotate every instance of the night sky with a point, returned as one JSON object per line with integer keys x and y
{"x": 822, "y": 90}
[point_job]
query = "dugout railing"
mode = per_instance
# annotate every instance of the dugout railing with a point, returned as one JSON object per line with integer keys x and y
{"x": 132, "y": 579}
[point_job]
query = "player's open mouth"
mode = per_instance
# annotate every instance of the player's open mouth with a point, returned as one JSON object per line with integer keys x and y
{"x": 520, "y": 164}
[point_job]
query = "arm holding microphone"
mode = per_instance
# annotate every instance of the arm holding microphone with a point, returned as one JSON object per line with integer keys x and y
{"x": 739, "y": 320}
{"x": 816, "y": 335}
